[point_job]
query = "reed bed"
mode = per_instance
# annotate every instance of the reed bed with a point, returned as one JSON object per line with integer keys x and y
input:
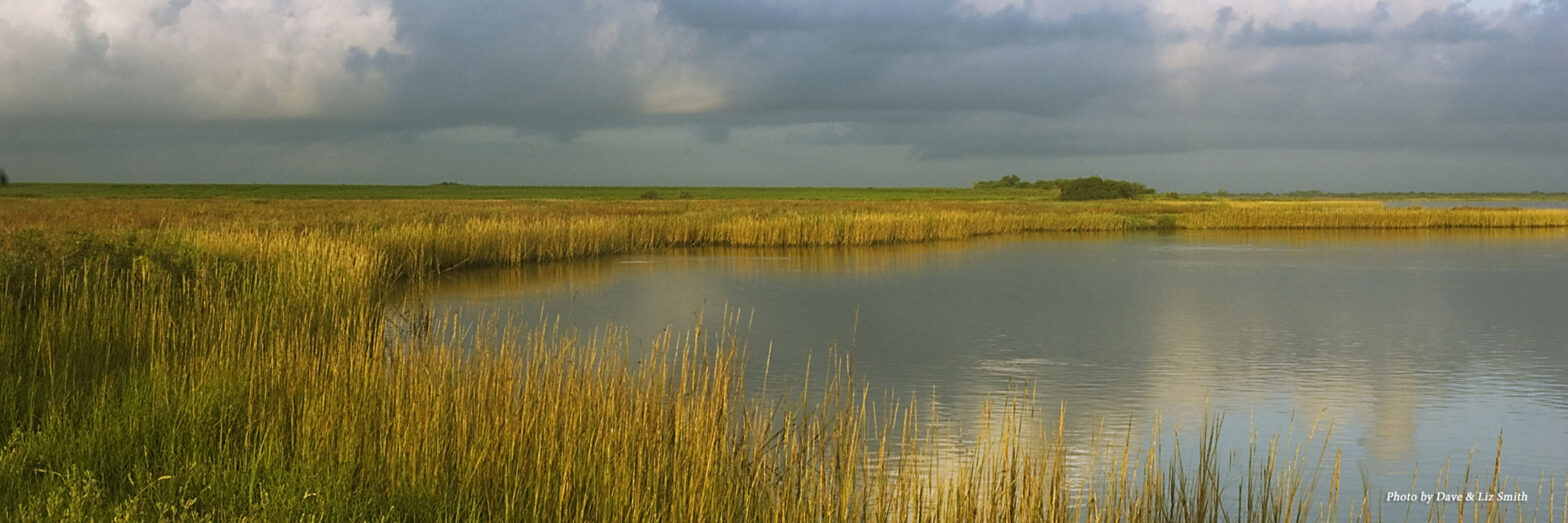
{"x": 233, "y": 361}
{"x": 1281, "y": 215}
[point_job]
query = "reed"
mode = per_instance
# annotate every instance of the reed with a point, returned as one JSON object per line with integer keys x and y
{"x": 233, "y": 361}
{"x": 1316, "y": 215}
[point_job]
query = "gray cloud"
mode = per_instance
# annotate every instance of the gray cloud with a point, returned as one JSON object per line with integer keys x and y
{"x": 1303, "y": 33}
{"x": 930, "y": 55}
{"x": 1102, "y": 87}
{"x": 91, "y": 46}
{"x": 169, "y": 15}
{"x": 1452, "y": 25}
{"x": 1522, "y": 77}
{"x": 527, "y": 64}
{"x": 892, "y": 26}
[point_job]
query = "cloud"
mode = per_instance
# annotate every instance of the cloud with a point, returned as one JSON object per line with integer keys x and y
{"x": 1453, "y": 24}
{"x": 943, "y": 82}
{"x": 562, "y": 67}
{"x": 1304, "y": 33}
{"x": 895, "y": 56}
{"x": 1127, "y": 79}
{"x": 1450, "y": 24}
{"x": 151, "y": 61}
{"x": 1520, "y": 76}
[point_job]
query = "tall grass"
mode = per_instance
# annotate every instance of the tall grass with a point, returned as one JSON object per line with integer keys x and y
{"x": 221, "y": 363}
{"x": 1311, "y": 215}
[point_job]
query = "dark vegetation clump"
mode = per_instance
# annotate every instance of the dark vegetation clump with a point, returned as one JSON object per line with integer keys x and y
{"x": 1096, "y": 188}
{"x": 1090, "y": 188}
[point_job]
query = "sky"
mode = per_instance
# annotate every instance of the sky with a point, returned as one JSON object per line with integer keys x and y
{"x": 1182, "y": 95}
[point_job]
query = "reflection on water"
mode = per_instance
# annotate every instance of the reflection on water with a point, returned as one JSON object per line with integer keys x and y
{"x": 1419, "y": 346}
{"x": 867, "y": 261}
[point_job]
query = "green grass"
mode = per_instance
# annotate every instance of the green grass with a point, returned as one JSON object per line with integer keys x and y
{"x": 497, "y": 192}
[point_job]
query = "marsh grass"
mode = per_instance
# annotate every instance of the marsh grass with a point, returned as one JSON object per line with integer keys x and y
{"x": 234, "y": 361}
{"x": 1361, "y": 215}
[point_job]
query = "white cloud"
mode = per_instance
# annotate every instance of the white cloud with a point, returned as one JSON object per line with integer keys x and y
{"x": 148, "y": 60}
{"x": 680, "y": 91}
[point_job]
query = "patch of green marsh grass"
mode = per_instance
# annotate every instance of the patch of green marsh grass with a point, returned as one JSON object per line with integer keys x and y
{"x": 147, "y": 355}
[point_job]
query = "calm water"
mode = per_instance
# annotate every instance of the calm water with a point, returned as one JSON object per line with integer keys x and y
{"x": 1448, "y": 204}
{"x": 1419, "y": 346}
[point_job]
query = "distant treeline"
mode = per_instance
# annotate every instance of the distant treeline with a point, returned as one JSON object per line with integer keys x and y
{"x": 1090, "y": 188}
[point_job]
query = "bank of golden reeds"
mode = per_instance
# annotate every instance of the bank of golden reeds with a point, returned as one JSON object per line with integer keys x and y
{"x": 225, "y": 365}
{"x": 1347, "y": 216}
{"x": 422, "y": 247}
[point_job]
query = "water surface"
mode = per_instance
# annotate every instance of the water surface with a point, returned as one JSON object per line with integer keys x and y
{"x": 1419, "y": 346}
{"x": 1449, "y": 204}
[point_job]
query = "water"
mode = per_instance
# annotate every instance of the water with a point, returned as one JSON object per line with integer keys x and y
{"x": 1449, "y": 204}
{"x": 1420, "y": 347}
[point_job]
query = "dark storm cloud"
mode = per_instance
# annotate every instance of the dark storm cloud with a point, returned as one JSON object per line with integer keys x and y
{"x": 1003, "y": 135}
{"x": 1014, "y": 83}
{"x": 898, "y": 26}
{"x": 925, "y": 55}
{"x": 526, "y": 64}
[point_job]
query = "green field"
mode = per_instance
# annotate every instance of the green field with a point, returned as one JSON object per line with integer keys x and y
{"x": 508, "y": 192}
{"x": 500, "y": 192}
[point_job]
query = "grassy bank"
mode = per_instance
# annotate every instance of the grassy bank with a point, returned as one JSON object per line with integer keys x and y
{"x": 219, "y": 359}
{"x": 503, "y": 192}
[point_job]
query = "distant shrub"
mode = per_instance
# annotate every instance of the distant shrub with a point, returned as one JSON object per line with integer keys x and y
{"x": 1097, "y": 188}
{"x": 649, "y": 195}
{"x": 1091, "y": 188}
{"x": 1006, "y": 182}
